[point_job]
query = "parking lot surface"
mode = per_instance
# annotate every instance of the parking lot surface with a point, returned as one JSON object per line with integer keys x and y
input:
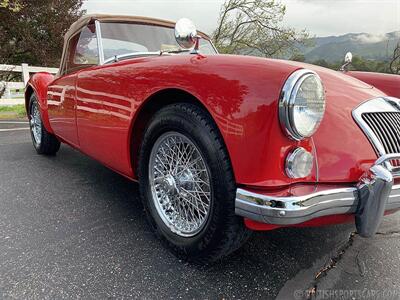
{"x": 71, "y": 228}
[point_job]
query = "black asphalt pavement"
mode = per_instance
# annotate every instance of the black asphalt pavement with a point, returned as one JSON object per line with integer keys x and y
{"x": 71, "y": 228}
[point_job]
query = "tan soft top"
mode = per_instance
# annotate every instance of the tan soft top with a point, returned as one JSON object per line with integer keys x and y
{"x": 86, "y": 19}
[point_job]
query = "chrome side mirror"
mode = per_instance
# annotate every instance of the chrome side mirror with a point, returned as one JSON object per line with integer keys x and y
{"x": 348, "y": 58}
{"x": 186, "y": 34}
{"x": 347, "y": 61}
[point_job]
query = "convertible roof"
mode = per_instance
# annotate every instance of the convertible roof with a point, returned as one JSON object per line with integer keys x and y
{"x": 86, "y": 19}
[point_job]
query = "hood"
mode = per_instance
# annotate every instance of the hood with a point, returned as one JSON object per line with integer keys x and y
{"x": 387, "y": 83}
{"x": 331, "y": 77}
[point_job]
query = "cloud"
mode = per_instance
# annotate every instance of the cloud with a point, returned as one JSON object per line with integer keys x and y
{"x": 319, "y": 17}
{"x": 204, "y": 13}
{"x": 370, "y": 38}
{"x": 328, "y": 17}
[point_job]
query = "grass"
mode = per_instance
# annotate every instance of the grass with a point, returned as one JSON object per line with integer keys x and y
{"x": 11, "y": 112}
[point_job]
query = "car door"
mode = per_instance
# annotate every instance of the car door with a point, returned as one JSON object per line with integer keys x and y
{"x": 103, "y": 118}
{"x": 81, "y": 53}
{"x": 104, "y": 111}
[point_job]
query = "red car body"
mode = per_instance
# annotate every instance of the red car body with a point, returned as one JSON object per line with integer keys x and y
{"x": 102, "y": 111}
{"x": 387, "y": 83}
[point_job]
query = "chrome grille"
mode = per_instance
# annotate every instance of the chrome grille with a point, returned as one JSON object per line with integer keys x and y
{"x": 386, "y": 127}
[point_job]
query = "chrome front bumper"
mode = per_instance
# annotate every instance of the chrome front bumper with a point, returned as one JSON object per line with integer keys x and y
{"x": 368, "y": 200}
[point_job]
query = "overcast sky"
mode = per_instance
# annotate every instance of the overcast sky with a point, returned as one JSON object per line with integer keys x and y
{"x": 320, "y": 17}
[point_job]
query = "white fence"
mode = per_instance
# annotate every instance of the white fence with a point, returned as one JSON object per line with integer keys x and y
{"x": 16, "y": 89}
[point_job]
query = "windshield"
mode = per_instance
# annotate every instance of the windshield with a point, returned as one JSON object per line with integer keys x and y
{"x": 125, "y": 38}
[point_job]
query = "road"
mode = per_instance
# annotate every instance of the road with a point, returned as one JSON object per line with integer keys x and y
{"x": 71, "y": 228}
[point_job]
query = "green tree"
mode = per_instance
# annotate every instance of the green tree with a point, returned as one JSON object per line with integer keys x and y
{"x": 322, "y": 63}
{"x": 298, "y": 57}
{"x": 31, "y": 31}
{"x": 359, "y": 64}
{"x": 254, "y": 27}
{"x": 395, "y": 61}
{"x": 14, "y": 6}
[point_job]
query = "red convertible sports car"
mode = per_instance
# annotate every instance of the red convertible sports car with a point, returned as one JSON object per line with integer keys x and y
{"x": 221, "y": 144}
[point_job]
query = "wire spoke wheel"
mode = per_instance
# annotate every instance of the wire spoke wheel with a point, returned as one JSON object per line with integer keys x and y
{"x": 44, "y": 142}
{"x": 35, "y": 123}
{"x": 187, "y": 184}
{"x": 180, "y": 184}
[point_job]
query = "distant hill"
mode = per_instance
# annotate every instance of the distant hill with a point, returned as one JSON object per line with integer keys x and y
{"x": 369, "y": 46}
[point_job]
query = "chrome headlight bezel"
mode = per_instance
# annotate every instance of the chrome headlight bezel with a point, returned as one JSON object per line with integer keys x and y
{"x": 287, "y": 103}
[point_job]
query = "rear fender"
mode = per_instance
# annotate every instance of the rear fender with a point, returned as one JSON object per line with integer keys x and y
{"x": 38, "y": 84}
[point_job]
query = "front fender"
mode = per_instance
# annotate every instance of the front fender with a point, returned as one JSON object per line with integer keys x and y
{"x": 240, "y": 93}
{"x": 38, "y": 84}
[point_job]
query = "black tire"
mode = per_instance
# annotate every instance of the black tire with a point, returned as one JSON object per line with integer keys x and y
{"x": 47, "y": 143}
{"x": 223, "y": 231}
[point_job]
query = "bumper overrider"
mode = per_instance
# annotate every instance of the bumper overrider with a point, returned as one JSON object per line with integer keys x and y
{"x": 368, "y": 200}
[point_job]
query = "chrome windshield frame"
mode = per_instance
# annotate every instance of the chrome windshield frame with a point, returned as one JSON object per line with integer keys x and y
{"x": 100, "y": 48}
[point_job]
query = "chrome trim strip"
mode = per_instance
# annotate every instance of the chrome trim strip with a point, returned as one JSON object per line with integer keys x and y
{"x": 315, "y": 160}
{"x": 132, "y": 55}
{"x": 99, "y": 42}
{"x": 298, "y": 209}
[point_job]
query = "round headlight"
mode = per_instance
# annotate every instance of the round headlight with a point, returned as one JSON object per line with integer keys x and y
{"x": 302, "y": 104}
